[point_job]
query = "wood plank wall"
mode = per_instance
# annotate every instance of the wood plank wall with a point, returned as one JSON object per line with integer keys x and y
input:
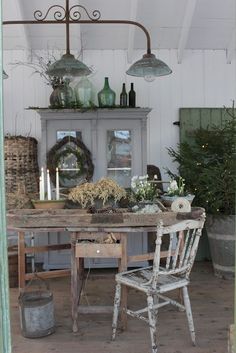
{"x": 204, "y": 79}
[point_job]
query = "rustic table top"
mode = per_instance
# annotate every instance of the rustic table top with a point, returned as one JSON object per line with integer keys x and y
{"x": 72, "y": 219}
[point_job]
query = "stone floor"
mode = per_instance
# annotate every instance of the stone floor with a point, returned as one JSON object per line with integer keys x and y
{"x": 212, "y": 304}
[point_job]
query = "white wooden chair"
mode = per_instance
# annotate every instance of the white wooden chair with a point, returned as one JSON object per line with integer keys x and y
{"x": 157, "y": 280}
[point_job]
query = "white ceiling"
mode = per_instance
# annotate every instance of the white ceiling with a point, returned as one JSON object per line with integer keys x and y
{"x": 180, "y": 24}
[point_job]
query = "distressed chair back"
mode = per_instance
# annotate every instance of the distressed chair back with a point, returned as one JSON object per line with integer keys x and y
{"x": 182, "y": 244}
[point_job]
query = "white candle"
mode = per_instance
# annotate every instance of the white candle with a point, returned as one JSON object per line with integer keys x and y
{"x": 48, "y": 186}
{"x": 40, "y": 188}
{"x": 57, "y": 185}
{"x": 42, "y": 185}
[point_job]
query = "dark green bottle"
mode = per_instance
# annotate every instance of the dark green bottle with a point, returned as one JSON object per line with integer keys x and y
{"x": 132, "y": 97}
{"x": 123, "y": 97}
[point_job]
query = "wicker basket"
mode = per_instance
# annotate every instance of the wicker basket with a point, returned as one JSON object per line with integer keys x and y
{"x": 21, "y": 164}
{"x": 13, "y": 266}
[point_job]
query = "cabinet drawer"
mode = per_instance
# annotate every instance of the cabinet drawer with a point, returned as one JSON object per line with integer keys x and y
{"x": 98, "y": 250}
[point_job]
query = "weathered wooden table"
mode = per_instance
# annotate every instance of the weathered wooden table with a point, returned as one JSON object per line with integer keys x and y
{"x": 85, "y": 230}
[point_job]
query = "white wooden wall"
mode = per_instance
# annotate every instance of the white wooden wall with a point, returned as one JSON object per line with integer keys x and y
{"x": 203, "y": 79}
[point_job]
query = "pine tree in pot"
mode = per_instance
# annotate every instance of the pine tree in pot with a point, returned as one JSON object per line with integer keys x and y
{"x": 209, "y": 168}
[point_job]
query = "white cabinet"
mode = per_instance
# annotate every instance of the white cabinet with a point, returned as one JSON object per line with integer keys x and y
{"x": 117, "y": 139}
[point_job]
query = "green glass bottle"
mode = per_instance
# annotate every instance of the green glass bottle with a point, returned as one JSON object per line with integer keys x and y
{"x": 123, "y": 97}
{"x": 106, "y": 97}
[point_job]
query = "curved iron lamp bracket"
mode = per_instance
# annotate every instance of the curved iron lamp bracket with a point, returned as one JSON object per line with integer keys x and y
{"x": 70, "y": 15}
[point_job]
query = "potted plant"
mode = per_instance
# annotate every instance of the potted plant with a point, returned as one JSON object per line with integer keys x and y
{"x": 175, "y": 190}
{"x": 103, "y": 193}
{"x": 144, "y": 194}
{"x": 209, "y": 167}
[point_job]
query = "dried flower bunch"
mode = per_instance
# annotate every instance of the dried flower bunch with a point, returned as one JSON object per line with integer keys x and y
{"x": 144, "y": 189}
{"x": 87, "y": 193}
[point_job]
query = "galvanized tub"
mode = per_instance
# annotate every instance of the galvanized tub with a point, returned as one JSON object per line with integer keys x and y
{"x": 221, "y": 234}
{"x": 36, "y": 313}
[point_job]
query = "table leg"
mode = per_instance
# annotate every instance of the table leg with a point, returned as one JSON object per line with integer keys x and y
{"x": 21, "y": 260}
{"x": 77, "y": 275}
{"x": 123, "y": 263}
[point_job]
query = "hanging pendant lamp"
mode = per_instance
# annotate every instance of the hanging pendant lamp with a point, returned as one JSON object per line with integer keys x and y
{"x": 68, "y": 65}
{"x": 149, "y": 67}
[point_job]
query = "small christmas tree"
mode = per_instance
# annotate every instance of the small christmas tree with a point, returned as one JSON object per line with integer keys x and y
{"x": 208, "y": 166}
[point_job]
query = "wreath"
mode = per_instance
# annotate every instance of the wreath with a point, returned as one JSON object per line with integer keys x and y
{"x": 66, "y": 147}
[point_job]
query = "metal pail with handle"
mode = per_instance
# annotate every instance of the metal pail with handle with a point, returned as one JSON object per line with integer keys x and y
{"x": 36, "y": 310}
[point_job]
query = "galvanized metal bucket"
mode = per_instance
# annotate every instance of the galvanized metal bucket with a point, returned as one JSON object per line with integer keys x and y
{"x": 36, "y": 311}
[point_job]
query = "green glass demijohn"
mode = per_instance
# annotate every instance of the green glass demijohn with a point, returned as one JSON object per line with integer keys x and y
{"x": 106, "y": 97}
{"x": 84, "y": 92}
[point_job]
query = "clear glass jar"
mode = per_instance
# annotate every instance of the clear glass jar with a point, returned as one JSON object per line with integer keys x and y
{"x": 67, "y": 95}
{"x": 84, "y": 93}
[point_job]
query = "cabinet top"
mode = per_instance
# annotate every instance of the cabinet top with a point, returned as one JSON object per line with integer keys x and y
{"x": 105, "y": 113}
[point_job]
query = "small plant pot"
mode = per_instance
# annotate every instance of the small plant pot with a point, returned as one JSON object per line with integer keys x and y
{"x": 98, "y": 203}
{"x": 47, "y": 204}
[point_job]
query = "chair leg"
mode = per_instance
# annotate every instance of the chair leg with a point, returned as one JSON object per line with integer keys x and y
{"x": 116, "y": 310}
{"x": 152, "y": 317}
{"x": 189, "y": 314}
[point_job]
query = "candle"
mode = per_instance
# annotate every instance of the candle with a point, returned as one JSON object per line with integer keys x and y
{"x": 57, "y": 185}
{"x": 48, "y": 186}
{"x": 40, "y": 189}
{"x": 42, "y": 185}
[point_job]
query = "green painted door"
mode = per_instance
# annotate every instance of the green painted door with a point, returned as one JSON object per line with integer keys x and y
{"x": 192, "y": 119}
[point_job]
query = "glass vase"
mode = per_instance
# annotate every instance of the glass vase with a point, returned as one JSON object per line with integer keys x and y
{"x": 55, "y": 97}
{"x": 84, "y": 93}
{"x": 106, "y": 97}
{"x": 67, "y": 95}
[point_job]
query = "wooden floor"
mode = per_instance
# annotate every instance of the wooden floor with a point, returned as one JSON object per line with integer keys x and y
{"x": 212, "y": 304}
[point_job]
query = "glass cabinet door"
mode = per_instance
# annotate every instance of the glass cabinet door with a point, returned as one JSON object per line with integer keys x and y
{"x": 119, "y": 150}
{"x": 119, "y": 156}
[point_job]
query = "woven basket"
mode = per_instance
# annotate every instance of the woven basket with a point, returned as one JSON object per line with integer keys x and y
{"x": 21, "y": 164}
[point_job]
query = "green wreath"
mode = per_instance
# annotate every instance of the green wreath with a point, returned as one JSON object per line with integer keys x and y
{"x": 64, "y": 148}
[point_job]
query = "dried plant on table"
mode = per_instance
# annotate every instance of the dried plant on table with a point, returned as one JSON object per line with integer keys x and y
{"x": 87, "y": 194}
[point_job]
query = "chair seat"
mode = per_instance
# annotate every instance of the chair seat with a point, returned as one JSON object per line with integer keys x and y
{"x": 140, "y": 278}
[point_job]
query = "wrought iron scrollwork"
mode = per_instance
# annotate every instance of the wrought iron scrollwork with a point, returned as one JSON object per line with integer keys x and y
{"x": 59, "y": 14}
{"x": 75, "y": 13}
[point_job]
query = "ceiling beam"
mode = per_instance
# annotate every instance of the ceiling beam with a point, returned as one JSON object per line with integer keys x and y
{"x": 188, "y": 16}
{"x": 133, "y": 17}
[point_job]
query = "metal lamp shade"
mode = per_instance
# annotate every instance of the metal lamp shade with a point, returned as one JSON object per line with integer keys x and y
{"x": 68, "y": 66}
{"x": 4, "y": 75}
{"x": 149, "y": 65}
